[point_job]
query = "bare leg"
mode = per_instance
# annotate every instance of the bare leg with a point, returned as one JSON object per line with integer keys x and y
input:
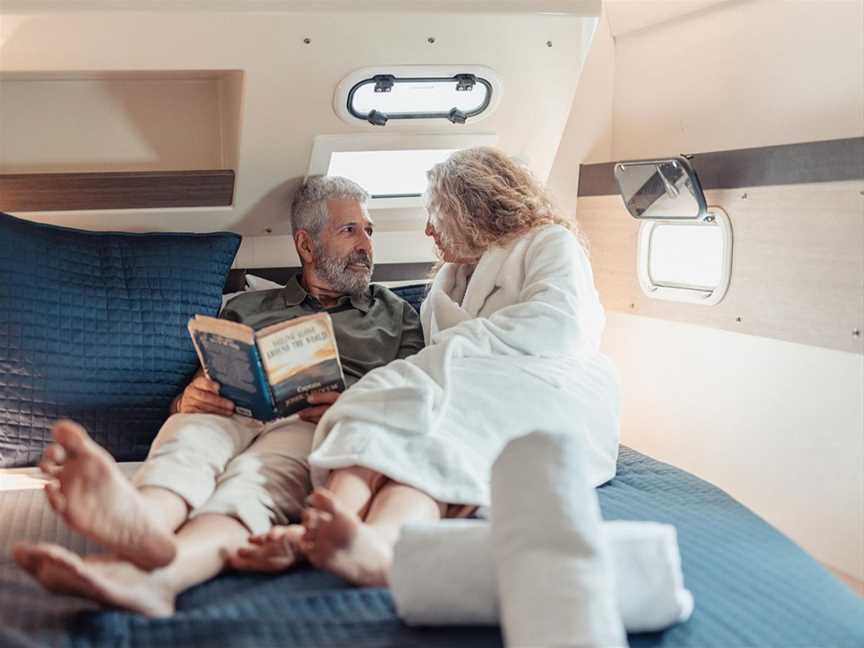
{"x": 95, "y": 498}
{"x": 360, "y": 551}
{"x": 355, "y": 487}
{"x": 202, "y": 547}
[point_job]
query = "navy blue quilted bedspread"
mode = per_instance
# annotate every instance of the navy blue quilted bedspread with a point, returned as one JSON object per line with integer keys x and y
{"x": 752, "y": 587}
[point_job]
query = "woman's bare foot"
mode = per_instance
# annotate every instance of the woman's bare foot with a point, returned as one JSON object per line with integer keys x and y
{"x": 338, "y": 541}
{"x": 274, "y": 551}
{"x": 94, "y": 498}
{"x": 105, "y": 579}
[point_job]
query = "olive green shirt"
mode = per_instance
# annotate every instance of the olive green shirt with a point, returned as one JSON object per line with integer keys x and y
{"x": 372, "y": 328}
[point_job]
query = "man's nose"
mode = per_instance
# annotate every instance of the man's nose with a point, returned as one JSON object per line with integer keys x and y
{"x": 365, "y": 243}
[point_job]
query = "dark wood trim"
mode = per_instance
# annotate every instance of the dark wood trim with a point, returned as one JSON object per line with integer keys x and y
{"x": 383, "y": 272}
{"x": 826, "y": 161}
{"x": 24, "y": 192}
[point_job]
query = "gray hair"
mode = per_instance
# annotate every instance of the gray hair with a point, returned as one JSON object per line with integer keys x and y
{"x": 309, "y": 207}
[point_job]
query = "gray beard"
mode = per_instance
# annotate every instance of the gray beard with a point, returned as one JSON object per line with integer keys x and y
{"x": 336, "y": 272}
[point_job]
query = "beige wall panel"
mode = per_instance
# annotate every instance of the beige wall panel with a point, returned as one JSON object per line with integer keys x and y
{"x": 288, "y": 86}
{"x": 739, "y": 75}
{"x": 588, "y": 135}
{"x": 797, "y": 264}
{"x": 779, "y": 426}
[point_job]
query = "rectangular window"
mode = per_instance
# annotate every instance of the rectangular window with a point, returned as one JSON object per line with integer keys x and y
{"x": 391, "y": 167}
{"x": 388, "y": 174}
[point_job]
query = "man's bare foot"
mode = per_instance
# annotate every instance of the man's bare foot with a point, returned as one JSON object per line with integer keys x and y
{"x": 105, "y": 579}
{"x": 338, "y": 541}
{"x": 94, "y": 498}
{"x": 274, "y": 551}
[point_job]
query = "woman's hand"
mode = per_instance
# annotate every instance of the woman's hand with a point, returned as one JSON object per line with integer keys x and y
{"x": 319, "y": 403}
{"x": 201, "y": 396}
{"x": 274, "y": 551}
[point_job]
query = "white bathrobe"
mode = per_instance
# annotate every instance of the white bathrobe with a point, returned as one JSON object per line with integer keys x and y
{"x": 512, "y": 350}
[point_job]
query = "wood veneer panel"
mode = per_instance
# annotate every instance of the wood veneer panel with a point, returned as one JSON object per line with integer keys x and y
{"x": 23, "y": 192}
{"x": 797, "y": 263}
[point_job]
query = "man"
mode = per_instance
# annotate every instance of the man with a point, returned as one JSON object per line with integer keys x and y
{"x": 213, "y": 477}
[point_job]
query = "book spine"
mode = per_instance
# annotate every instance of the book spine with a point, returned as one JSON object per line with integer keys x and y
{"x": 264, "y": 384}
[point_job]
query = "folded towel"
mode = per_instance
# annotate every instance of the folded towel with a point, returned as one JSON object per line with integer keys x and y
{"x": 444, "y": 574}
{"x": 556, "y": 586}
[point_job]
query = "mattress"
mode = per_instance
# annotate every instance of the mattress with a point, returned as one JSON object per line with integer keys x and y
{"x": 752, "y": 586}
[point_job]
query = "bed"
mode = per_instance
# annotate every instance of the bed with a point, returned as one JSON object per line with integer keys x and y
{"x": 752, "y": 586}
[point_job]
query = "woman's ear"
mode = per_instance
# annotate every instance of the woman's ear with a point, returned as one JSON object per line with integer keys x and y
{"x": 303, "y": 243}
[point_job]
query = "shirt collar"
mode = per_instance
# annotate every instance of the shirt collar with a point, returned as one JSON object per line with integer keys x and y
{"x": 295, "y": 294}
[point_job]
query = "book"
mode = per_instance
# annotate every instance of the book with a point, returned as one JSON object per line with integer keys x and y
{"x": 268, "y": 374}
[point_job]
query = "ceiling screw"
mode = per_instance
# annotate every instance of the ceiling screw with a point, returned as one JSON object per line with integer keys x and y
{"x": 269, "y": 230}
{"x": 548, "y": 43}
{"x": 307, "y": 40}
{"x": 744, "y": 196}
{"x": 737, "y": 319}
{"x": 856, "y": 332}
{"x": 430, "y": 40}
{"x": 632, "y": 305}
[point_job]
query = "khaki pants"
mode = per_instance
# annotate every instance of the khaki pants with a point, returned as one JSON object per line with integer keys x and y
{"x": 255, "y": 472}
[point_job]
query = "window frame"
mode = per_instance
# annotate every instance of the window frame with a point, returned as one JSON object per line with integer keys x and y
{"x": 420, "y": 115}
{"x": 324, "y": 146}
{"x": 413, "y": 73}
{"x": 693, "y": 295}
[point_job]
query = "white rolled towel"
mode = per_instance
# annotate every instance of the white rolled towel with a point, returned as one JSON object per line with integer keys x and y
{"x": 443, "y": 574}
{"x": 556, "y": 586}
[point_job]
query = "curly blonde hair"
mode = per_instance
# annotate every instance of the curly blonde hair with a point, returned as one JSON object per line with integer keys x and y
{"x": 480, "y": 197}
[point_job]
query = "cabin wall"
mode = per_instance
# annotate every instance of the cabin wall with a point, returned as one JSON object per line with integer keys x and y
{"x": 263, "y": 126}
{"x": 779, "y": 425}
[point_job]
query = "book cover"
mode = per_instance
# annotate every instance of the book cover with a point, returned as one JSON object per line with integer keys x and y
{"x": 300, "y": 357}
{"x": 269, "y": 374}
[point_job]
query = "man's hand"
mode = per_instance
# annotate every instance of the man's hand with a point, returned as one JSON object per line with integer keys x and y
{"x": 319, "y": 403}
{"x": 201, "y": 396}
{"x": 273, "y": 551}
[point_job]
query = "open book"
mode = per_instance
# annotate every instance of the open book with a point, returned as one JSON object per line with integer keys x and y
{"x": 269, "y": 373}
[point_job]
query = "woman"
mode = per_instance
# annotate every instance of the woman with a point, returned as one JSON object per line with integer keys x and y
{"x": 512, "y": 324}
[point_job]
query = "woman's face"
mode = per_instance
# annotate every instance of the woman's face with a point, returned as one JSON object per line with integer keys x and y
{"x": 433, "y": 230}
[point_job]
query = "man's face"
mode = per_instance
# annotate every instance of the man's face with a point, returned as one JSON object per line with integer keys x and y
{"x": 343, "y": 251}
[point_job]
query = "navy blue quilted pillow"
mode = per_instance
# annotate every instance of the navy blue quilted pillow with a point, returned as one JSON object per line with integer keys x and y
{"x": 93, "y": 327}
{"x": 414, "y": 294}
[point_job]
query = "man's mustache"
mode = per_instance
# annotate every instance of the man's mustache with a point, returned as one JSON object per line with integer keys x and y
{"x": 359, "y": 257}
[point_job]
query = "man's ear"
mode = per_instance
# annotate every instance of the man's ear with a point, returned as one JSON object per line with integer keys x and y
{"x": 303, "y": 243}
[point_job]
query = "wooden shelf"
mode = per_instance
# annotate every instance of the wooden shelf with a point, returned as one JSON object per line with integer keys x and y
{"x": 23, "y": 192}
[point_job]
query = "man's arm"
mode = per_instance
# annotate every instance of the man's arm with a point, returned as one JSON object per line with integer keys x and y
{"x": 412, "y": 333}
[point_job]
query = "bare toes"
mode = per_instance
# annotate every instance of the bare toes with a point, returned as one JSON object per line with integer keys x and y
{"x": 54, "y": 453}
{"x": 70, "y": 435}
{"x": 27, "y": 556}
{"x": 55, "y": 496}
{"x": 323, "y": 500}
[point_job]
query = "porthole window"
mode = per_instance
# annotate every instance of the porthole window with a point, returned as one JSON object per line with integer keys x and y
{"x": 689, "y": 261}
{"x": 382, "y": 96}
